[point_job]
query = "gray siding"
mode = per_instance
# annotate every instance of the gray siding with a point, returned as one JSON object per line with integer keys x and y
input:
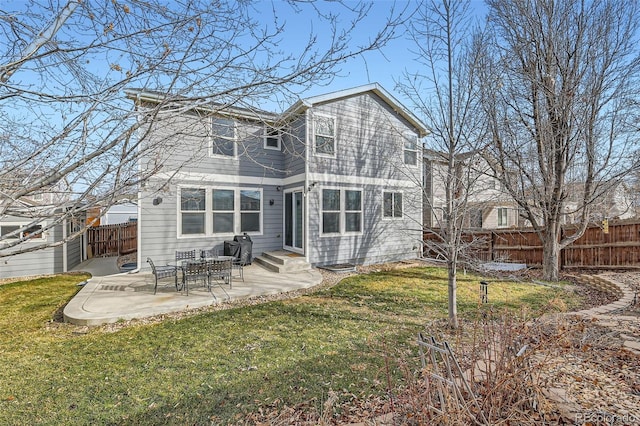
{"x": 294, "y": 146}
{"x": 159, "y": 224}
{"x": 382, "y": 240}
{"x": 182, "y": 142}
{"x": 40, "y": 262}
{"x": 369, "y": 140}
{"x": 369, "y": 156}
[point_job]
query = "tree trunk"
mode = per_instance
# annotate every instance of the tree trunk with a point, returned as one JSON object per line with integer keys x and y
{"x": 453, "y": 305}
{"x": 551, "y": 253}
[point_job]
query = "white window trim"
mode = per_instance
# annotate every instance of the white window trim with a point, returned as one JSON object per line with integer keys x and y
{"x": 335, "y": 141}
{"x": 393, "y": 192}
{"x": 416, "y": 150}
{"x": 265, "y": 135}
{"x": 212, "y": 136}
{"x": 43, "y": 234}
{"x": 343, "y": 212}
{"x": 208, "y": 221}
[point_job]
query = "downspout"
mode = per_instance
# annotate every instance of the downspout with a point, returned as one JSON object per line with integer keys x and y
{"x": 65, "y": 249}
{"x": 139, "y": 221}
{"x": 305, "y": 190}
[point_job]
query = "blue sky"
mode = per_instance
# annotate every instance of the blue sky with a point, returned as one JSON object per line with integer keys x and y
{"x": 384, "y": 67}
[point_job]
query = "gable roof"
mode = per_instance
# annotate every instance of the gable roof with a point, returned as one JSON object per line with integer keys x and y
{"x": 393, "y": 103}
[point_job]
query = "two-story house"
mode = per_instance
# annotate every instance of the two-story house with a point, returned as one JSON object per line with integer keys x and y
{"x": 487, "y": 204}
{"x": 335, "y": 178}
{"x": 36, "y": 236}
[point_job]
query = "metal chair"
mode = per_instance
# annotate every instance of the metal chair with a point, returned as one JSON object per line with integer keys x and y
{"x": 160, "y": 272}
{"x": 209, "y": 254}
{"x": 239, "y": 264}
{"x": 193, "y": 270}
{"x": 185, "y": 255}
{"x": 219, "y": 270}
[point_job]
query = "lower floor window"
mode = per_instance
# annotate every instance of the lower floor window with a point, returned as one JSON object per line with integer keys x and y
{"x": 392, "y": 204}
{"x": 215, "y": 211}
{"x": 341, "y": 211}
{"x": 20, "y": 231}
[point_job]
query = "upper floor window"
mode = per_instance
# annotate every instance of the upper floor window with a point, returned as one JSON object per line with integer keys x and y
{"x": 325, "y": 138}
{"x": 410, "y": 150}
{"x": 392, "y": 204}
{"x": 223, "y": 141}
{"x": 341, "y": 211}
{"x": 503, "y": 219}
{"x": 271, "y": 138}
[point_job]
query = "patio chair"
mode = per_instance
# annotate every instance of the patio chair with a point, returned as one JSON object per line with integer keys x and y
{"x": 219, "y": 270}
{"x": 193, "y": 270}
{"x": 239, "y": 264}
{"x": 160, "y": 272}
{"x": 209, "y": 254}
{"x": 185, "y": 255}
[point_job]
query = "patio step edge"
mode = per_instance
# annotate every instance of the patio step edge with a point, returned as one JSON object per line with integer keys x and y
{"x": 277, "y": 264}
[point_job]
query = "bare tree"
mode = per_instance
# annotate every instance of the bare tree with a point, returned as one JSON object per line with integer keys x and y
{"x": 70, "y": 138}
{"x": 444, "y": 92}
{"x": 562, "y": 98}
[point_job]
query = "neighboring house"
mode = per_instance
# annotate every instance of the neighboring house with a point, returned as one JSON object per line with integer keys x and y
{"x": 616, "y": 202}
{"x": 124, "y": 211}
{"x": 23, "y": 223}
{"x": 336, "y": 178}
{"x": 488, "y": 204}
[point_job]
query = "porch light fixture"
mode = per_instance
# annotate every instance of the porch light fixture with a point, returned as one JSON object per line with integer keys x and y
{"x": 157, "y": 201}
{"x": 278, "y": 188}
{"x": 271, "y": 202}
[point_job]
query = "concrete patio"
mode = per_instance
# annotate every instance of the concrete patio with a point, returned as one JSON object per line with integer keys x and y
{"x": 110, "y": 296}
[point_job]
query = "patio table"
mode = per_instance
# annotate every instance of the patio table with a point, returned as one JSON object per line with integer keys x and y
{"x": 220, "y": 266}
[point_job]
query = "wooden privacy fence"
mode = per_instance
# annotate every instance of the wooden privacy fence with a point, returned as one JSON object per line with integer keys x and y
{"x": 112, "y": 240}
{"x": 619, "y": 248}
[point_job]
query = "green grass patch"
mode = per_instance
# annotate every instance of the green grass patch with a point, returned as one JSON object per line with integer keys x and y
{"x": 216, "y": 367}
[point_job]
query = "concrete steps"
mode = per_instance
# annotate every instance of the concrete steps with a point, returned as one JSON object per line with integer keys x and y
{"x": 282, "y": 261}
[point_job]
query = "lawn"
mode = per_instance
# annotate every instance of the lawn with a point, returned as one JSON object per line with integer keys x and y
{"x": 216, "y": 367}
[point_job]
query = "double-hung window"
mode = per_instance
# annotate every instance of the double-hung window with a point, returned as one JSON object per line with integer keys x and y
{"x": 192, "y": 211}
{"x": 223, "y": 211}
{"x": 220, "y": 211}
{"x": 392, "y": 205}
{"x": 341, "y": 211}
{"x": 250, "y": 207}
{"x": 325, "y": 137}
{"x": 410, "y": 150}
{"x": 223, "y": 140}
{"x": 503, "y": 219}
{"x": 271, "y": 138}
